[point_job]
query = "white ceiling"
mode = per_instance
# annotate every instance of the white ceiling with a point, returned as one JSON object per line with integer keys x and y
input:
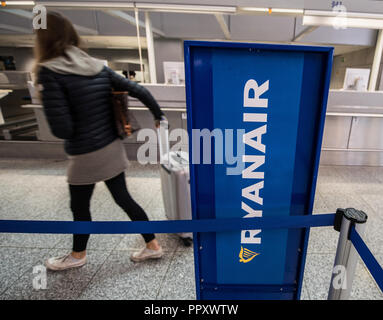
{"x": 100, "y": 29}
{"x": 368, "y": 6}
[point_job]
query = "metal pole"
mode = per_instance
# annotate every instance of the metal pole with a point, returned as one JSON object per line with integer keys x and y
{"x": 346, "y": 257}
{"x": 376, "y": 62}
{"x": 150, "y": 44}
{"x": 139, "y": 43}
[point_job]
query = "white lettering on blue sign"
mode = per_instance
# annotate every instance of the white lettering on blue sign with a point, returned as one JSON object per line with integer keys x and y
{"x": 254, "y": 170}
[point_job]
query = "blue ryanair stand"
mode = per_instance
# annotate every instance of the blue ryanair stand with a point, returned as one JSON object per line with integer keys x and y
{"x": 271, "y": 99}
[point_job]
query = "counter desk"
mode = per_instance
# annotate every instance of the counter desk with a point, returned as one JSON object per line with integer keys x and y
{"x": 3, "y": 93}
{"x": 353, "y": 133}
{"x": 354, "y": 128}
{"x": 171, "y": 99}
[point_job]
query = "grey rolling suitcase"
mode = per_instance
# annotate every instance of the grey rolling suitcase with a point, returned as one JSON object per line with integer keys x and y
{"x": 175, "y": 182}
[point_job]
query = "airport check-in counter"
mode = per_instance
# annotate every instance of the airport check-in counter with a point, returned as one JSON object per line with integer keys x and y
{"x": 3, "y": 93}
{"x": 171, "y": 99}
{"x": 15, "y": 122}
{"x": 353, "y": 132}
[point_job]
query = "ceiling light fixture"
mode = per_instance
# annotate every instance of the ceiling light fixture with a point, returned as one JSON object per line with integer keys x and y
{"x": 349, "y": 22}
{"x": 142, "y": 6}
{"x": 254, "y": 9}
{"x": 272, "y": 10}
{"x": 361, "y": 15}
{"x": 83, "y": 4}
{"x": 287, "y": 11}
{"x": 17, "y": 3}
{"x": 185, "y": 8}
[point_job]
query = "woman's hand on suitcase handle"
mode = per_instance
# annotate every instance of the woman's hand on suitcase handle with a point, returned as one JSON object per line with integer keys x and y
{"x": 128, "y": 129}
{"x": 163, "y": 119}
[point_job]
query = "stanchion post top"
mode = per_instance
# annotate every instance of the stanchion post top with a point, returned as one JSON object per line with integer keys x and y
{"x": 352, "y": 214}
{"x": 356, "y": 216}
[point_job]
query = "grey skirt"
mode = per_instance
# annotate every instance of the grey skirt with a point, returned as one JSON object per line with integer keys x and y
{"x": 99, "y": 165}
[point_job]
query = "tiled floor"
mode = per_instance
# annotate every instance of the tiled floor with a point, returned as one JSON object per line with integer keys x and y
{"x": 37, "y": 190}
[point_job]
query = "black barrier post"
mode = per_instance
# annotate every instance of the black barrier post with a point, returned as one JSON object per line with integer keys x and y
{"x": 346, "y": 256}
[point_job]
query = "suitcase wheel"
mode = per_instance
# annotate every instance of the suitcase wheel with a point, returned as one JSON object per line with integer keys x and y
{"x": 187, "y": 241}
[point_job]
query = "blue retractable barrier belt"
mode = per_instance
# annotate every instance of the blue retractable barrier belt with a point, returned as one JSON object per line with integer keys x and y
{"x": 367, "y": 257}
{"x": 176, "y": 226}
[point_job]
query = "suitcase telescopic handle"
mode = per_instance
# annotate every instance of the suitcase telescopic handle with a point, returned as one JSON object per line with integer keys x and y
{"x": 163, "y": 140}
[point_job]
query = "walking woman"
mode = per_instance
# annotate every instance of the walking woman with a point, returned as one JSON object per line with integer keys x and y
{"x": 76, "y": 94}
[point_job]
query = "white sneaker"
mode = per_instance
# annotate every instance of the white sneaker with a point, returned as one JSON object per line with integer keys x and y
{"x": 64, "y": 262}
{"x": 145, "y": 254}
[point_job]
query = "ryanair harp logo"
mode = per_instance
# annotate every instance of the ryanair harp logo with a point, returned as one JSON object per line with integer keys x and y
{"x": 246, "y": 255}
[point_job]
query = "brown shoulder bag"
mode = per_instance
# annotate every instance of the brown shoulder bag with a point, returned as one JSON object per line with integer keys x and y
{"x": 126, "y": 123}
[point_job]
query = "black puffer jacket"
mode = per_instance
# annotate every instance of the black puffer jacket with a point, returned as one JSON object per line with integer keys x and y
{"x": 79, "y": 108}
